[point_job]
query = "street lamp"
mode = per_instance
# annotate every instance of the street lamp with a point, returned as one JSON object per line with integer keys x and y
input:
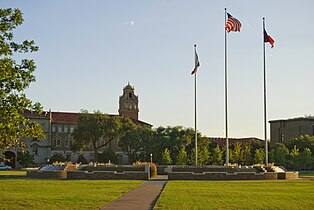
{"x": 151, "y": 158}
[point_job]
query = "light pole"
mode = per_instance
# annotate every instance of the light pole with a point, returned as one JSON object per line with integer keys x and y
{"x": 151, "y": 158}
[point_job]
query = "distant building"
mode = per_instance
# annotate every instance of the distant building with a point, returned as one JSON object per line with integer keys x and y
{"x": 284, "y": 130}
{"x": 58, "y": 128}
{"x": 222, "y": 141}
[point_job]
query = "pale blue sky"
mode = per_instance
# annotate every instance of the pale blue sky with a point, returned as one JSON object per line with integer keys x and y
{"x": 89, "y": 50}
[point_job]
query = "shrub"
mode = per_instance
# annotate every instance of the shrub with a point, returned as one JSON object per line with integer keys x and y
{"x": 25, "y": 158}
{"x": 152, "y": 166}
{"x": 57, "y": 157}
{"x": 81, "y": 159}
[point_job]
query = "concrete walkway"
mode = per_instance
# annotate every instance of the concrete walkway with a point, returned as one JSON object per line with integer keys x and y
{"x": 143, "y": 197}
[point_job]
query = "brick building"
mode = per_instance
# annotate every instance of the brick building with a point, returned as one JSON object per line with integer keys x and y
{"x": 58, "y": 128}
{"x": 284, "y": 130}
{"x": 222, "y": 141}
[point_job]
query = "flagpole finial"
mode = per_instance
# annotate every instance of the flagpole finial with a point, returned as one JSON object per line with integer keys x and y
{"x": 263, "y": 18}
{"x": 225, "y": 9}
{"x": 194, "y": 45}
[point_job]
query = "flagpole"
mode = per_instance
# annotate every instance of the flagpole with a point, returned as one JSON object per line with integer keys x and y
{"x": 195, "y": 110}
{"x": 226, "y": 93}
{"x": 265, "y": 97}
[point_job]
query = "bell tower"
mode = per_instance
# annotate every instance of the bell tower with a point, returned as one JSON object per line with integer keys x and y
{"x": 128, "y": 103}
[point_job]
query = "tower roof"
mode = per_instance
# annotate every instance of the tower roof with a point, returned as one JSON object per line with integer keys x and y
{"x": 129, "y": 86}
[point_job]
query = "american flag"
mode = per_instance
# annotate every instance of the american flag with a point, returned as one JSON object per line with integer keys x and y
{"x": 197, "y": 63}
{"x": 233, "y": 24}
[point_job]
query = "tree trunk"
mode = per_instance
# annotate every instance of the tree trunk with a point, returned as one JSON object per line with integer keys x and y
{"x": 95, "y": 155}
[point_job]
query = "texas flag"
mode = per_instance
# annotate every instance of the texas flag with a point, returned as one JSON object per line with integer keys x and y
{"x": 267, "y": 38}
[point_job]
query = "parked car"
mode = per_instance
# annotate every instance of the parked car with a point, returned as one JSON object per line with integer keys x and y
{"x": 5, "y": 167}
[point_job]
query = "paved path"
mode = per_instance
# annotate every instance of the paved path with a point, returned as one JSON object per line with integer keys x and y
{"x": 143, "y": 197}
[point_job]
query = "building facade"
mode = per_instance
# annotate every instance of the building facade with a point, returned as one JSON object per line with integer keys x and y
{"x": 284, "y": 130}
{"x": 58, "y": 128}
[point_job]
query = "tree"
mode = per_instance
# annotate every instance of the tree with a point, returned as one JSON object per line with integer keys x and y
{"x": 81, "y": 159}
{"x": 281, "y": 153}
{"x": 306, "y": 158}
{"x": 246, "y": 155}
{"x": 259, "y": 156}
{"x": 172, "y": 138}
{"x": 166, "y": 157}
{"x": 15, "y": 77}
{"x": 295, "y": 156}
{"x": 108, "y": 155}
{"x": 57, "y": 157}
{"x": 98, "y": 130}
{"x": 203, "y": 156}
{"x": 271, "y": 156}
{"x": 132, "y": 143}
{"x": 301, "y": 142}
{"x": 25, "y": 158}
{"x": 217, "y": 155}
{"x": 235, "y": 153}
{"x": 182, "y": 158}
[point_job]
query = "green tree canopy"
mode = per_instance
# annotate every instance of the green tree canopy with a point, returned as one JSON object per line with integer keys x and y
{"x": 246, "y": 155}
{"x": 295, "y": 157}
{"x": 281, "y": 153}
{"x": 301, "y": 142}
{"x": 166, "y": 157}
{"x": 203, "y": 156}
{"x": 259, "y": 156}
{"x": 182, "y": 157}
{"x": 133, "y": 142}
{"x": 98, "y": 130}
{"x": 15, "y": 77}
{"x": 108, "y": 155}
{"x": 217, "y": 156}
{"x": 306, "y": 158}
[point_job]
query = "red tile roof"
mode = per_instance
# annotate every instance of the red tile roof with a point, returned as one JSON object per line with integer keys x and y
{"x": 69, "y": 117}
{"x": 65, "y": 117}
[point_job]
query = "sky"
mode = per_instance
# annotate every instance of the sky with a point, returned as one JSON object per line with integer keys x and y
{"x": 90, "y": 50}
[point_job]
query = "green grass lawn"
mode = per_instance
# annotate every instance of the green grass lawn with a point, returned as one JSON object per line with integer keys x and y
{"x": 12, "y": 173}
{"x": 277, "y": 194}
{"x": 26, "y": 193}
{"x": 306, "y": 174}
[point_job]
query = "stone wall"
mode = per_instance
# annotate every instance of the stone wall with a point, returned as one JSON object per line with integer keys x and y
{"x": 232, "y": 176}
{"x": 203, "y": 169}
{"x": 98, "y": 172}
{"x": 162, "y": 169}
{"x": 288, "y": 175}
{"x": 107, "y": 175}
{"x": 47, "y": 174}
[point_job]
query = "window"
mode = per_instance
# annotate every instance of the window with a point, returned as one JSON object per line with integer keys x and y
{"x": 71, "y": 128}
{"x": 68, "y": 141}
{"x": 66, "y": 128}
{"x": 54, "y": 128}
{"x": 59, "y": 128}
{"x": 58, "y": 141}
{"x": 282, "y": 138}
